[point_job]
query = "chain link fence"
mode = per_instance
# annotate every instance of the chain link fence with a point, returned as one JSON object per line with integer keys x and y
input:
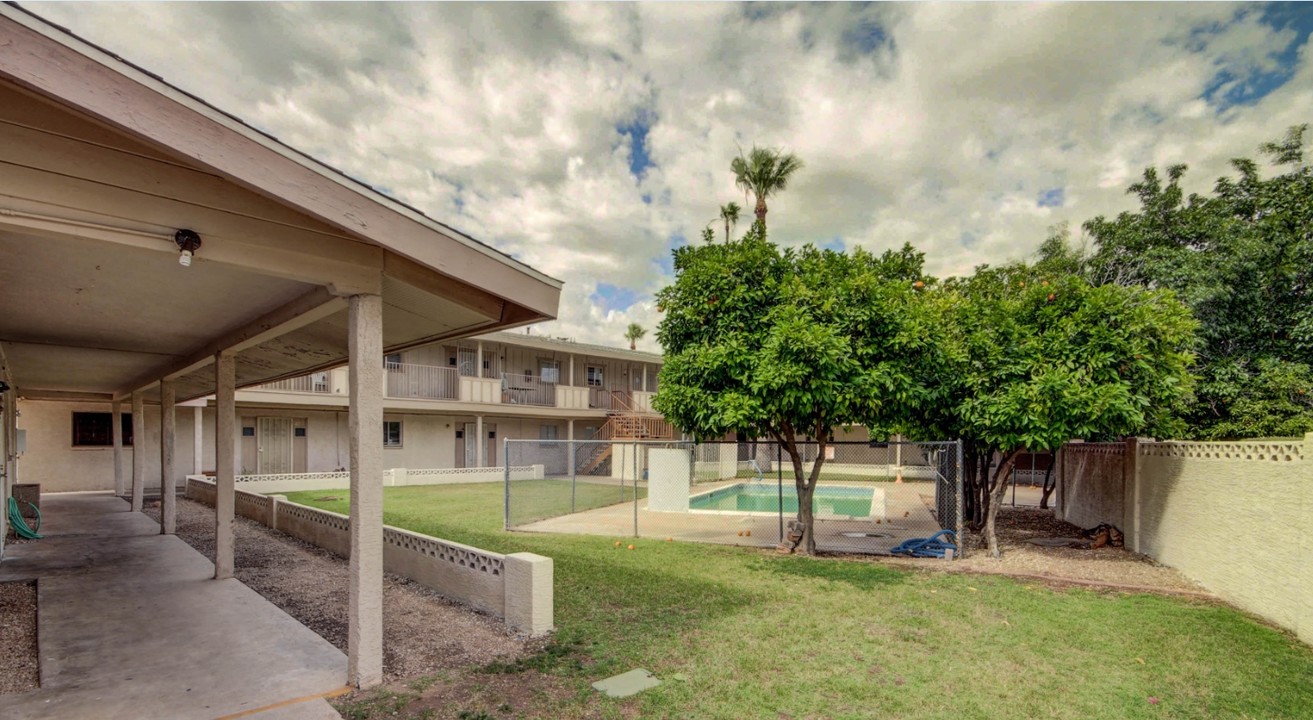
{"x": 869, "y": 497}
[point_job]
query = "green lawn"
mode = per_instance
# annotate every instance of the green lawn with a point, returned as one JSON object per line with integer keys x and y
{"x": 737, "y": 633}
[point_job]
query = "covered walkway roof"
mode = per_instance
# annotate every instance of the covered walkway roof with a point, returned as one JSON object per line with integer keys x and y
{"x": 101, "y": 163}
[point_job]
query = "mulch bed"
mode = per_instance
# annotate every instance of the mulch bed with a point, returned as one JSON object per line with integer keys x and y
{"x": 19, "y": 668}
{"x": 423, "y": 633}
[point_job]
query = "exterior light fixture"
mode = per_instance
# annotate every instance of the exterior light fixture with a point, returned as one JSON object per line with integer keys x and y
{"x": 188, "y": 243}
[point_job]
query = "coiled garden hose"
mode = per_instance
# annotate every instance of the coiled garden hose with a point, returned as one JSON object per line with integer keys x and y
{"x": 20, "y": 524}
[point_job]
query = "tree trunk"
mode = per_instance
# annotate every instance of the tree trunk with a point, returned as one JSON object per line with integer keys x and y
{"x": 805, "y": 486}
{"x": 1048, "y": 475}
{"x": 761, "y": 211}
{"x": 727, "y": 230}
{"x": 998, "y": 490}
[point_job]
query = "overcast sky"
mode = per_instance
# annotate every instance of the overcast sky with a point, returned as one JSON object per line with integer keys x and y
{"x": 588, "y": 140}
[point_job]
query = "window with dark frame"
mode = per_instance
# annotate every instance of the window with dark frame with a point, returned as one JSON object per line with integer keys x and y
{"x": 96, "y": 429}
{"x": 594, "y": 376}
{"x": 391, "y": 433}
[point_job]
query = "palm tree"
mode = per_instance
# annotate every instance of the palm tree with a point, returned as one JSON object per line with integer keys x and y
{"x": 730, "y": 214}
{"x": 764, "y": 172}
{"x": 633, "y": 334}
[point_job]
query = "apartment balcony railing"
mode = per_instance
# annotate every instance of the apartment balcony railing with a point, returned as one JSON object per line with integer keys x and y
{"x": 423, "y": 382}
{"x": 527, "y": 390}
{"x": 610, "y": 398}
{"x": 315, "y": 383}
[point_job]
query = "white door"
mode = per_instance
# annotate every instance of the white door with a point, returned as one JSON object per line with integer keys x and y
{"x": 471, "y": 446}
{"x": 273, "y": 442}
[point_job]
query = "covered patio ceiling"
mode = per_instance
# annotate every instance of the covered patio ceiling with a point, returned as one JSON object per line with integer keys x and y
{"x": 101, "y": 164}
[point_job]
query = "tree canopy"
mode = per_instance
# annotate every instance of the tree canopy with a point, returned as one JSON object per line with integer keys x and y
{"x": 1030, "y": 361}
{"x": 1242, "y": 259}
{"x": 789, "y": 344}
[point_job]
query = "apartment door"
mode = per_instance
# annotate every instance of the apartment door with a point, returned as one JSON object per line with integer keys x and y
{"x": 470, "y": 453}
{"x": 273, "y": 441}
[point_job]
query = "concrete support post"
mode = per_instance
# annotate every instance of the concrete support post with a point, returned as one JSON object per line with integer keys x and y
{"x": 529, "y": 593}
{"x": 138, "y": 449}
{"x": 480, "y": 443}
{"x": 1131, "y": 494}
{"x": 116, "y": 419}
{"x": 478, "y": 358}
{"x": 225, "y": 471}
{"x": 365, "y": 601}
{"x": 168, "y": 445}
{"x": 6, "y": 446}
{"x": 571, "y": 382}
{"x": 198, "y": 441}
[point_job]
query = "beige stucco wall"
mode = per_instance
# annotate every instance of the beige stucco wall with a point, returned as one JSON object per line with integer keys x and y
{"x": 427, "y": 441}
{"x": 1091, "y": 485}
{"x": 1237, "y": 518}
{"x": 52, "y": 461}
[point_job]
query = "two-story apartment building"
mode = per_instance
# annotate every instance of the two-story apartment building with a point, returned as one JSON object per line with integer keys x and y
{"x": 446, "y": 405}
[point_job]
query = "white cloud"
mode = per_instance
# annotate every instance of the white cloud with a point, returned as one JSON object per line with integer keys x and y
{"x": 936, "y": 124}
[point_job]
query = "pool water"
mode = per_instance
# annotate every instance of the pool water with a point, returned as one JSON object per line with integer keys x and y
{"x": 755, "y": 497}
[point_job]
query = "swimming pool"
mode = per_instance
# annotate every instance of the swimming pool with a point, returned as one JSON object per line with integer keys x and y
{"x": 762, "y": 498}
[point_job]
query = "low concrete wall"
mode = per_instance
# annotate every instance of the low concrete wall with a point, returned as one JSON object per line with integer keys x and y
{"x": 293, "y": 482}
{"x": 516, "y": 588}
{"x": 1091, "y": 484}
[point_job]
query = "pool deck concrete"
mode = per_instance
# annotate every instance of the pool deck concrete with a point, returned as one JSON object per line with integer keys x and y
{"x": 131, "y": 624}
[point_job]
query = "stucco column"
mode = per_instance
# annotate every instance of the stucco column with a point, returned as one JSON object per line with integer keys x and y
{"x": 645, "y": 377}
{"x": 571, "y": 383}
{"x": 1131, "y": 494}
{"x": 225, "y": 441}
{"x": 138, "y": 449}
{"x": 116, "y": 419}
{"x": 480, "y": 443}
{"x": 168, "y": 443}
{"x": 198, "y": 440}
{"x": 365, "y": 602}
{"x": 478, "y": 358}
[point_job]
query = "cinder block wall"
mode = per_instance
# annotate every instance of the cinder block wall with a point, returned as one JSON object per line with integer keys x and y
{"x": 1091, "y": 486}
{"x": 1235, "y": 517}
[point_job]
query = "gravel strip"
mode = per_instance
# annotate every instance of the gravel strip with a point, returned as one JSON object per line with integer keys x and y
{"x": 423, "y": 633}
{"x": 19, "y": 669}
{"x": 1107, "y": 565}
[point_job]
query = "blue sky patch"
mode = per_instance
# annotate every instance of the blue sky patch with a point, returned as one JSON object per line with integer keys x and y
{"x": 866, "y": 37}
{"x": 835, "y": 243}
{"x": 1243, "y": 86}
{"x": 636, "y": 132}
{"x": 614, "y": 297}
{"x": 1053, "y": 197}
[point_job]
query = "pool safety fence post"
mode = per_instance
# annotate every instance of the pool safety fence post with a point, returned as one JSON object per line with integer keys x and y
{"x": 637, "y": 449}
{"x": 961, "y": 504}
{"x": 779, "y": 487}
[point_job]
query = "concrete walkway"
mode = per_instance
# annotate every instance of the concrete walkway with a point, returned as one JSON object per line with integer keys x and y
{"x": 131, "y": 624}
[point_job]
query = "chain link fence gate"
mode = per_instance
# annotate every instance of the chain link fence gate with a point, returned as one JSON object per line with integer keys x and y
{"x": 869, "y": 497}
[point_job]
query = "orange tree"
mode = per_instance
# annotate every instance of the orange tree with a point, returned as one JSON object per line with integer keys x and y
{"x": 1029, "y": 362}
{"x": 789, "y": 344}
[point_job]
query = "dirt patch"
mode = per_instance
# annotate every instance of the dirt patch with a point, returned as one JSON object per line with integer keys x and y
{"x": 1118, "y": 568}
{"x": 423, "y": 633}
{"x": 19, "y": 668}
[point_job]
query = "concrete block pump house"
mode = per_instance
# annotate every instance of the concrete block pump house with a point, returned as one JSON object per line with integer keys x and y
{"x": 156, "y": 250}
